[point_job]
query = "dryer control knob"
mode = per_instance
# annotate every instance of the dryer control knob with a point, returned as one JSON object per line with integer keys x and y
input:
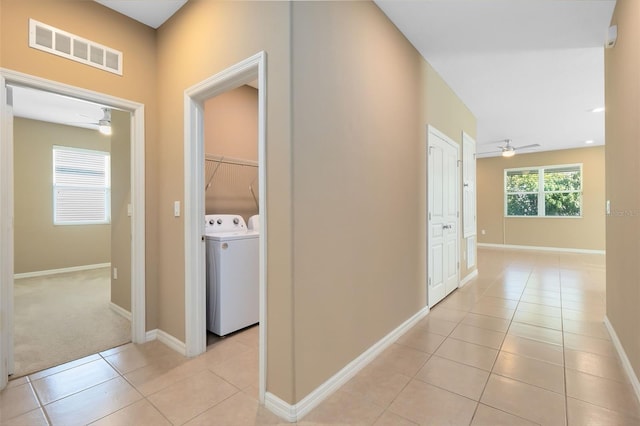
{"x": 235, "y": 221}
{"x": 219, "y": 221}
{"x": 211, "y": 222}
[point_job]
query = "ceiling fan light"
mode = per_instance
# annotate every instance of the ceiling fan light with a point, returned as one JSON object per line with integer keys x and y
{"x": 104, "y": 127}
{"x": 508, "y": 153}
{"x": 104, "y": 124}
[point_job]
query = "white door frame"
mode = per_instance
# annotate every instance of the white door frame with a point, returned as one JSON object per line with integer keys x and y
{"x": 138, "y": 309}
{"x": 433, "y": 132}
{"x": 195, "y": 282}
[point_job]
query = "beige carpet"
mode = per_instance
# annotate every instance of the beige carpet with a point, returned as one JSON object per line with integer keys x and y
{"x": 59, "y": 318}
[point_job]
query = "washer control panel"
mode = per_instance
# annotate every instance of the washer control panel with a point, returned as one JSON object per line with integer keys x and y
{"x": 218, "y": 223}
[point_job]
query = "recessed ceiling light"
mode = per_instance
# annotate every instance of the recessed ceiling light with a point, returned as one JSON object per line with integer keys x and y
{"x": 590, "y": 141}
{"x": 599, "y": 109}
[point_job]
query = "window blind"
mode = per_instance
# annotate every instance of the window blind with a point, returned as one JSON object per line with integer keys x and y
{"x": 81, "y": 186}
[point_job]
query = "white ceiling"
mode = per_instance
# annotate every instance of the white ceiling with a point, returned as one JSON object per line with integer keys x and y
{"x": 54, "y": 108}
{"x": 150, "y": 12}
{"x": 529, "y": 70}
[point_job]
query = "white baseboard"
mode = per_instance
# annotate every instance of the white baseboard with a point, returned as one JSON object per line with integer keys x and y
{"x": 151, "y": 335}
{"x": 120, "y": 311}
{"x": 626, "y": 364}
{"x": 468, "y": 278}
{"x": 168, "y": 340}
{"x": 295, "y": 412}
{"x": 61, "y": 270}
{"x": 281, "y": 408}
{"x": 538, "y": 248}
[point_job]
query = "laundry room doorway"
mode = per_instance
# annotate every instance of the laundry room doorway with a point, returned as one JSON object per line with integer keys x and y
{"x": 225, "y": 176}
{"x": 232, "y": 213}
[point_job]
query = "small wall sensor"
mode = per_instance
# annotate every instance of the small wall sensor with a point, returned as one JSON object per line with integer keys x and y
{"x": 612, "y": 36}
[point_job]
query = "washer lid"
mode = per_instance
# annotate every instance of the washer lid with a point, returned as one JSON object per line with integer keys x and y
{"x": 231, "y": 236}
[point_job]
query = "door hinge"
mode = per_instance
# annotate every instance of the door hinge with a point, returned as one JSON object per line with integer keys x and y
{"x": 458, "y": 214}
{"x": 429, "y": 281}
{"x": 429, "y": 149}
{"x": 459, "y": 162}
{"x": 429, "y": 215}
{"x": 458, "y": 266}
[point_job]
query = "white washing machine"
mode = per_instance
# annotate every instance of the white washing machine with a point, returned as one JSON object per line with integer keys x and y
{"x": 254, "y": 223}
{"x": 232, "y": 274}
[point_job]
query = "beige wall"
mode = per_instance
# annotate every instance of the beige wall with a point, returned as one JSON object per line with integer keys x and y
{"x": 231, "y": 124}
{"x": 90, "y": 20}
{"x": 120, "y": 199}
{"x": 231, "y": 131}
{"x": 356, "y": 180}
{"x": 587, "y": 232}
{"x": 359, "y": 136}
{"x": 622, "y": 103}
{"x": 39, "y": 244}
{"x": 202, "y": 39}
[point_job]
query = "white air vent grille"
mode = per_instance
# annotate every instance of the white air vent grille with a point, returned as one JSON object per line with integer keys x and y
{"x": 49, "y": 39}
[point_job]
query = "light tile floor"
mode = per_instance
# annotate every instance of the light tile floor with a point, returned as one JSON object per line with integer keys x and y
{"x": 522, "y": 344}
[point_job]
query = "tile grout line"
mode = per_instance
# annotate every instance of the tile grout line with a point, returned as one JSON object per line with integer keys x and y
{"x": 40, "y": 405}
{"x": 144, "y": 397}
{"x": 498, "y": 354}
{"x": 564, "y": 361}
{"x": 413, "y": 377}
{"x": 418, "y": 371}
{"x": 475, "y": 411}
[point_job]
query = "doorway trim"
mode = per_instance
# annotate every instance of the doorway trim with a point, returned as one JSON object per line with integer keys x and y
{"x": 235, "y": 76}
{"x": 138, "y": 291}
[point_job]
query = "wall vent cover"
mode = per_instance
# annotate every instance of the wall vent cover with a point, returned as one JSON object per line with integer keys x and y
{"x": 61, "y": 43}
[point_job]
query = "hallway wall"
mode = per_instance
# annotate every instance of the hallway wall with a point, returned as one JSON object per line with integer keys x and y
{"x": 362, "y": 100}
{"x": 622, "y": 103}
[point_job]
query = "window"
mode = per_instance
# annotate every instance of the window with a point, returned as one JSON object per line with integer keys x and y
{"x": 81, "y": 186}
{"x": 544, "y": 191}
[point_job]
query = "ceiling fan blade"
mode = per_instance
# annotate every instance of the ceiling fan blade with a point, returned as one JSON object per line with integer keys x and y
{"x": 495, "y": 142}
{"x": 490, "y": 152}
{"x": 535, "y": 145}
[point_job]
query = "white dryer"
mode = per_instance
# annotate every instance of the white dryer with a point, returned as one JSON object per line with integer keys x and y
{"x": 232, "y": 274}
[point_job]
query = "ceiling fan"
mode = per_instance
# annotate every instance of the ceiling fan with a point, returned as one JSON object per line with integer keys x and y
{"x": 508, "y": 150}
{"x": 104, "y": 124}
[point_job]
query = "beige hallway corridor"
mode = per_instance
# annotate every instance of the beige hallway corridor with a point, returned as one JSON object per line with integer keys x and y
{"x": 522, "y": 344}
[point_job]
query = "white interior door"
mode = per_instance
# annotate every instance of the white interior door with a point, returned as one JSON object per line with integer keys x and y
{"x": 443, "y": 216}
